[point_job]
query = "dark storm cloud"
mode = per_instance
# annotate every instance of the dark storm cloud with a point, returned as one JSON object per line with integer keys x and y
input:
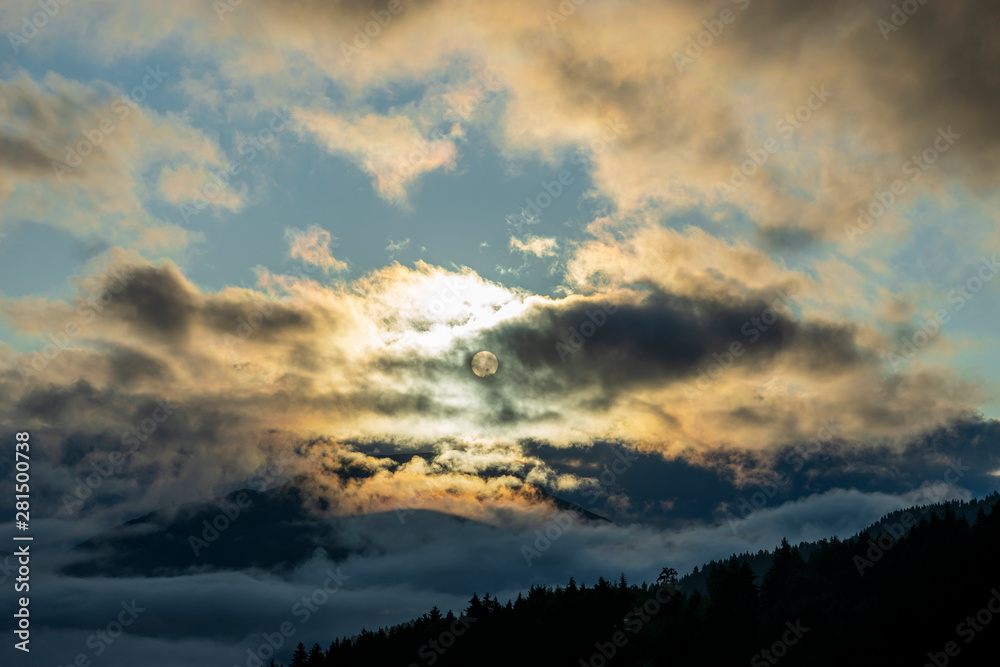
{"x": 156, "y": 302}
{"x": 674, "y": 493}
{"x": 20, "y": 154}
{"x": 974, "y": 443}
{"x": 128, "y": 366}
{"x": 664, "y": 338}
{"x": 338, "y": 17}
{"x": 159, "y": 303}
{"x": 55, "y": 403}
{"x": 228, "y": 317}
{"x": 127, "y": 444}
{"x": 936, "y": 66}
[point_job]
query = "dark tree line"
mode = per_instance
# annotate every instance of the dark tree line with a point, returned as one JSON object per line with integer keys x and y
{"x": 840, "y": 605}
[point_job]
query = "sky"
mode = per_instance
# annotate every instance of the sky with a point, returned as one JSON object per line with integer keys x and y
{"x": 706, "y": 234}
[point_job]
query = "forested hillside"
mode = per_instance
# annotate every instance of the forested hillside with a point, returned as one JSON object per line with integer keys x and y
{"x": 926, "y": 597}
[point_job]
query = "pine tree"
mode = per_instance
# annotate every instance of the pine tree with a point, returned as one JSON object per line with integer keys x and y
{"x": 668, "y": 577}
{"x": 475, "y": 609}
{"x": 299, "y": 657}
{"x": 315, "y": 656}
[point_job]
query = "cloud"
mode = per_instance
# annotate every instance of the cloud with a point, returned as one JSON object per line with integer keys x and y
{"x": 715, "y": 350}
{"x": 390, "y": 149}
{"x": 395, "y": 247}
{"x": 658, "y": 122}
{"x": 313, "y": 246}
{"x": 180, "y": 185}
{"x": 385, "y": 359}
{"x": 83, "y": 157}
{"x": 406, "y": 568}
{"x": 535, "y": 245}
